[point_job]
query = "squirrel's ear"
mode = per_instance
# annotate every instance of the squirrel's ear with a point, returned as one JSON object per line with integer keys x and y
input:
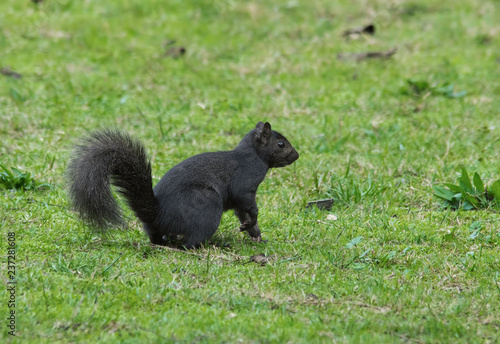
{"x": 262, "y": 132}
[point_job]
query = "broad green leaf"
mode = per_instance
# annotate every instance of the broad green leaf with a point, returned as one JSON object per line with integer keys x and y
{"x": 452, "y": 187}
{"x": 406, "y": 250}
{"x": 454, "y": 204}
{"x": 364, "y": 253}
{"x": 418, "y": 86}
{"x": 359, "y": 266}
{"x": 475, "y": 226}
{"x": 467, "y": 206}
{"x": 474, "y": 234}
{"x": 478, "y": 183}
{"x": 9, "y": 173}
{"x": 17, "y": 172}
{"x": 457, "y": 94}
{"x": 471, "y": 199}
{"x": 443, "y": 193}
{"x": 464, "y": 178}
{"x": 464, "y": 188}
{"x": 445, "y": 90}
{"x": 389, "y": 256}
{"x": 494, "y": 189}
{"x": 354, "y": 242}
{"x": 43, "y": 185}
{"x": 15, "y": 179}
{"x": 482, "y": 199}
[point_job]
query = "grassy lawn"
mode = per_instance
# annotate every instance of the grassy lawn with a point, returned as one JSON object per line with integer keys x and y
{"x": 376, "y": 135}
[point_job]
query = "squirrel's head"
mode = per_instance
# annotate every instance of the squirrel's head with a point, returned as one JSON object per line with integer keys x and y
{"x": 273, "y": 147}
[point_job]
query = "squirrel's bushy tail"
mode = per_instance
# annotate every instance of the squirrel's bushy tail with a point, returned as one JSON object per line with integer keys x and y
{"x": 110, "y": 157}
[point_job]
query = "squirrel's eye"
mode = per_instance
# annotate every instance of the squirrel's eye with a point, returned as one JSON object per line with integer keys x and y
{"x": 281, "y": 144}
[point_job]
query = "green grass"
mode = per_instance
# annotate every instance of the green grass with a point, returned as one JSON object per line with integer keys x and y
{"x": 365, "y": 135}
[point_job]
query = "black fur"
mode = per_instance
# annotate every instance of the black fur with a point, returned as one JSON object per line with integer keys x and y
{"x": 187, "y": 203}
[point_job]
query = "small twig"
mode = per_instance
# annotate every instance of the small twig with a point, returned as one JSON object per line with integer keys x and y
{"x": 288, "y": 259}
{"x": 338, "y": 236}
{"x": 110, "y": 265}
{"x": 31, "y": 200}
{"x": 141, "y": 113}
{"x": 367, "y": 55}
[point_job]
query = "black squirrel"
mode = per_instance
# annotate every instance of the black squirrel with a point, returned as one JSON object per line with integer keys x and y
{"x": 186, "y": 205}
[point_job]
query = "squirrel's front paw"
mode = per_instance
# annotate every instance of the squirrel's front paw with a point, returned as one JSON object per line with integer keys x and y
{"x": 246, "y": 226}
{"x": 252, "y": 229}
{"x": 257, "y": 239}
{"x": 243, "y": 226}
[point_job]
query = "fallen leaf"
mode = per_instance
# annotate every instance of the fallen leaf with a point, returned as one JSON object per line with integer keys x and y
{"x": 367, "y": 55}
{"x": 367, "y": 30}
{"x": 9, "y": 72}
{"x": 262, "y": 258}
{"x": 321, "y": 204}
{"x": 175, "y": 52}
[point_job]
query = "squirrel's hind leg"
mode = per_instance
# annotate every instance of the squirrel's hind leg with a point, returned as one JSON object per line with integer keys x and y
{"x": 155, "y": 236}
{"x": 201, "y": 219}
